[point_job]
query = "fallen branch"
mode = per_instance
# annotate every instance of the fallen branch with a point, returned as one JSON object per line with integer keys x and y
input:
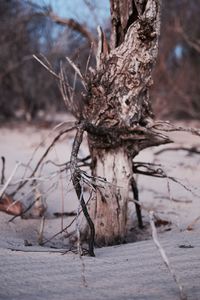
{"x": 37, "y": 250}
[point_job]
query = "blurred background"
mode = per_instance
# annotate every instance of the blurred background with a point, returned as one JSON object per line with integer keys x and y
{"x": 56, "y": 29}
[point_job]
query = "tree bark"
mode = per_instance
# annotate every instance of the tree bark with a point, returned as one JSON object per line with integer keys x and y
{"x": 119, "y": 107}
{"x": 109, "y": 209}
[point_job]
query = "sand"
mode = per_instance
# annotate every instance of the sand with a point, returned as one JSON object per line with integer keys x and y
{"x": 131, "y": 271}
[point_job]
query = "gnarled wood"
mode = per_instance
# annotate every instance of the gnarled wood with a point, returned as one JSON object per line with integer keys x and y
{"x": 118, "y": 94}
{"x": 118, "y": 104}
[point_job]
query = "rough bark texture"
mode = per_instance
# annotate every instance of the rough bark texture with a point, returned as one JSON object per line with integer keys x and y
{"x": 119, "y": 107}
{"x": 118, "y": 92}
{"x": 109, "y": 209}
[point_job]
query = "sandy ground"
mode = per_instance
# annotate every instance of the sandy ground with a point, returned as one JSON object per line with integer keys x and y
{"x": 132, "y": 271}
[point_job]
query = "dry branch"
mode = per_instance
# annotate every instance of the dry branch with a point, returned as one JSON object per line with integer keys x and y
{"x": 77, "y": 70}
{"x": 159, "y": 173}
{"x": 65, "y": 228}
{"x": 192, "y": 150}
{"x": 42, "y": 158}
{"x": 76, "y": 177}
{"x": 164, "y": 257}
{"x": 166, "y": 126}
{"x": 3, "y": 170}
{"x": 194, "y": 44}
{"x": 137, "y": 206}
{"x": 74, "y": 25}
{"x": 46, "y": 67}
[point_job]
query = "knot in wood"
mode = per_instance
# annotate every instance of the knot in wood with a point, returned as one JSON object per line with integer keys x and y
{"x": 146, "y": 31}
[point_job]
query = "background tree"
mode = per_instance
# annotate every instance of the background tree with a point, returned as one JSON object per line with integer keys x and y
{"x": 24, "y": 83}
{"x": 176, "y": 90}
{"x": 27, "y": 28}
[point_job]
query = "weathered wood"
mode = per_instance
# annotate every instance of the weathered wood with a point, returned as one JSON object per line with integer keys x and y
{"x": 109, "y": 209}
{"x": 118, "y": 94}
{"x": 119, "y": 105}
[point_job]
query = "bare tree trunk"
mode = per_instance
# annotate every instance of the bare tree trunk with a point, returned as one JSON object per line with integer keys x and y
{"x": 109, "y": 209}
{"x": 120, "y": 109}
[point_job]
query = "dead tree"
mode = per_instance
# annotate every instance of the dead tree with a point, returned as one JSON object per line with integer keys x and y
{"x": 118, "y": 109}
{"x": 117, "y": 117}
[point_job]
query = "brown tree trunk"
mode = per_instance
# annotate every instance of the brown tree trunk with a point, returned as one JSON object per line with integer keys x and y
{"x": 109, "y": 209}
{"x": 120, "y": 109}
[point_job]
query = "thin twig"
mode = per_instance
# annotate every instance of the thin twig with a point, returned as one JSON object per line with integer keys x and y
{"x": 61, "y": 126}
{"x": 89, "y": 58}
{"x": 100, "y": 47}
{"x": 190, "y": 150}
{"x": 37, "y": 250}
{"x": 9, "y": 179}
{"x": 164, "y": 256}
{"x": 64, "y": 229}
{"x": 77, "y": 70}
{"x": 166, "y": 126}
{"x": 46, "y": 67}
{"x": 42, "y": 158}
{"x": 23, "y": 212}
{"x": 3, "y": 170}
{"x": 65, "y": 90}
{"x": 159, "y": 173}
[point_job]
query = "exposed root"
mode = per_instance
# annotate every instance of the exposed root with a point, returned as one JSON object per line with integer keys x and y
{"x": 137, "y": 206}
{"x": 76, "y": 177}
